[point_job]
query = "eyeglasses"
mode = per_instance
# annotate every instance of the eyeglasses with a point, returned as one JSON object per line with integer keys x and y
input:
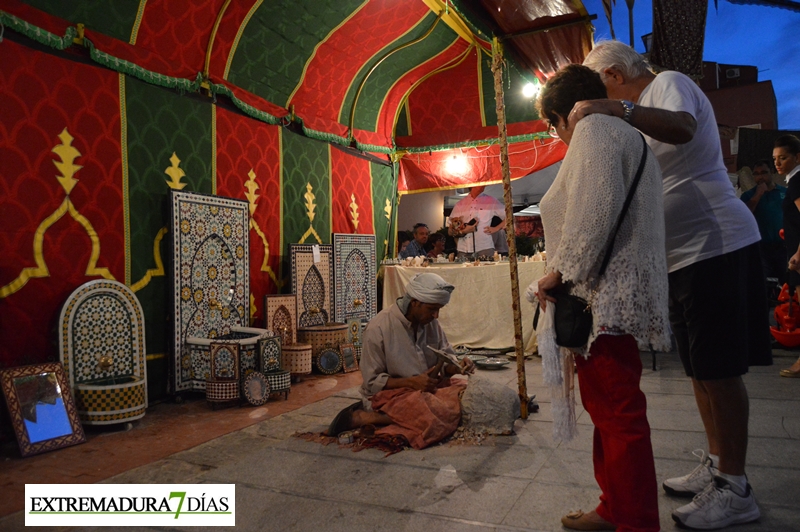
{"x": 762, "y": 172}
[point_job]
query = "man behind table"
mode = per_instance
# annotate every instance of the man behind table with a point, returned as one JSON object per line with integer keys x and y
{"x": 476, "y": 238}
{"x": 402, "y": 385}
{"x": 717, "y": 296}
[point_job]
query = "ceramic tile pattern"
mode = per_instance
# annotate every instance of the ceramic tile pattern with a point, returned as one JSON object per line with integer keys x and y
{"x": 312, "y": 282}
{"x": 355, "y": 277}
{"x": 210, "y": 273}
{"x": 102, "y": 347}
{"x": 281, "y": 316}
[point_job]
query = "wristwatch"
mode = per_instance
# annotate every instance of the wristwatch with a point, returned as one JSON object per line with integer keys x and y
{"x": 627, "y": 106}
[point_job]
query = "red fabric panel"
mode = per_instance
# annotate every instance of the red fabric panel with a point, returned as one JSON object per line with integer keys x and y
{"x": 401, "y": 87}
{"x": 226, "y": 34}
{"x": 339, "y": 59}
{"x": 427, "y": 171}
{"x": 179, "y": 31}
{"x": 350, "y": 175}
{"x": 42, "y": 95}
{"x": 446, "y": 107}
{"x": 244, "y": 144}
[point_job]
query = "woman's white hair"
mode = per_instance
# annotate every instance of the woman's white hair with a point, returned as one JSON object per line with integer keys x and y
{"x": 614, "y": 54}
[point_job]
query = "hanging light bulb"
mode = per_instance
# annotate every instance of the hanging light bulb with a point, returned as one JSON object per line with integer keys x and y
{"x": 530, "y": 90}
{"x": 457, "y": 165}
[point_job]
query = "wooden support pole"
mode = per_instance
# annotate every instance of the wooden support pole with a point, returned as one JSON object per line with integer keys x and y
{"x": 497, "y": 70}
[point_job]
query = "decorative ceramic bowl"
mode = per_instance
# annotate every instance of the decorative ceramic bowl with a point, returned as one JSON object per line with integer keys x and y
{"x": 492, "y": 363}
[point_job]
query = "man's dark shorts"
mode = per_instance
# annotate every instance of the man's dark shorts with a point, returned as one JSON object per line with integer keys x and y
{"x": 719, "y": 315}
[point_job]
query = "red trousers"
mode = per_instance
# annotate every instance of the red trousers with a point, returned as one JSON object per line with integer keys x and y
{"x": 622, "y": 453}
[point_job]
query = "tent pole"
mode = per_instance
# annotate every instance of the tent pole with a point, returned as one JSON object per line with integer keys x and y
{"x": 497, "y": 70}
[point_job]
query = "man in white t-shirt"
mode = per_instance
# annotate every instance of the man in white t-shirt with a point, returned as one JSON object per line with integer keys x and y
{"x": 471, "y": 223}
{"x": 717, "y": 297}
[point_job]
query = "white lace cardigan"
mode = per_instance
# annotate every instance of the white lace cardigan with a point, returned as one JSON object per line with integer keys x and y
{"x": 581, "y": 209}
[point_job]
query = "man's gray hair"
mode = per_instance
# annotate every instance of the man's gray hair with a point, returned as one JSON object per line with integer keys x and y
{"x": 614, "y": 54}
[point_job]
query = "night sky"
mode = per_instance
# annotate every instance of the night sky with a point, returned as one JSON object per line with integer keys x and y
{"x": 764, "y": 37}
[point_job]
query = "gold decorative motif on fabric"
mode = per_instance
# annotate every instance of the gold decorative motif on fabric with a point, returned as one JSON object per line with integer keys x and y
{"x": 252, "y": 198}
{"x": 354, "y": 211}
{"x": 41, "y": 269}
{"x": 251, "y": 187}
{"x": 158, "y": 271}
{"x": 67, "y": 167}
{"x": 175, "y": 173}
{"x": 68, "y": 153}
{"x": 388, "y": 210}
{"x": 310, "y": 206}
{"x": 253, "y": 308}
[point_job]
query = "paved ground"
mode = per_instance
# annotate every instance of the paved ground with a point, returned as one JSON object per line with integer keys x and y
{"x": 521, "y": 482}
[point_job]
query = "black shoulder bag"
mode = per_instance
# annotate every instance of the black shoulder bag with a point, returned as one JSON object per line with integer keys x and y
{"x": 573, "y": 318}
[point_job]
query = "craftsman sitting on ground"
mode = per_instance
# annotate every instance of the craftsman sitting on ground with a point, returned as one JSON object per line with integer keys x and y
{"x": 405, "y": 389}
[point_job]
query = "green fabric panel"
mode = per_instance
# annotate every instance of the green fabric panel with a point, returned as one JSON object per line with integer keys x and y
{"x": 518, "y": 108}
{"x": 160, "y": 122}
{"x": 384, "y": 187}
{"x": 478, "y": 26}
{"x": 278, "y": 41}
{"x": 402, "y": 122}
{"x": 305, "y": 161}
{"x": 114, "y": 19}
{"x": 392, "y": 69}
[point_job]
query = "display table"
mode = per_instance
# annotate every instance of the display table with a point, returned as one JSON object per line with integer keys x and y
{"x": 479, "y": 313}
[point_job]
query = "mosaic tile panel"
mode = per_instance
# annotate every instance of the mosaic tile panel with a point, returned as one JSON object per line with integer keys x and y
{"x": 354, "y": 329}
{"x": 222, "y": 391}
{"x": 281, "y": 317}
{"x": 109, "y": 404}
{"x": 224, "y": 362}
{"x": 269, "y": 354}
{"x": 312, "y": 283}
{"x": 210, "y": 274}
{"x": 102, "y": 347}
{"x": 102, "y": 318}
{"x": 355, "y": 277}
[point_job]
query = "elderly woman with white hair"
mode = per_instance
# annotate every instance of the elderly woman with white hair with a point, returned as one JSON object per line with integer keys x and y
{"x": 406, "y": 388}
{"x": 580, "y": 212}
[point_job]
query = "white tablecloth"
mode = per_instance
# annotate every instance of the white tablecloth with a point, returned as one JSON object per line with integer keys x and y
{"x": 479, "y": 313}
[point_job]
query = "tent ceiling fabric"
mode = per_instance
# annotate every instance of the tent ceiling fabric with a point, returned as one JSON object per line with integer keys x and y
{"x": 310, "y": 60}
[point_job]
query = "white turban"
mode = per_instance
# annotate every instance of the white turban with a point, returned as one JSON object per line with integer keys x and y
{"x": 429, "y": 288}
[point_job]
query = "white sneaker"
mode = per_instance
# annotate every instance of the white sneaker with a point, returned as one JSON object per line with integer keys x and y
{"x": 718, "y": 506}
{"x": 696, "y": 481}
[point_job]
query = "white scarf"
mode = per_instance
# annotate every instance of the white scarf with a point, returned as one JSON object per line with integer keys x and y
{"x": 557, "y": 373}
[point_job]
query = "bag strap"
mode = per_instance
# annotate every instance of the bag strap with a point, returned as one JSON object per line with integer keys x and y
{"x": 624, "y": 211}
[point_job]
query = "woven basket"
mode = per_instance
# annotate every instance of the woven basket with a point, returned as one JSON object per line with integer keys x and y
{"x": 322, "y": 336}
{"x": 297, "y": 359}
{"x": 279, "y": 381}
{"x": 222, "y": 391}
